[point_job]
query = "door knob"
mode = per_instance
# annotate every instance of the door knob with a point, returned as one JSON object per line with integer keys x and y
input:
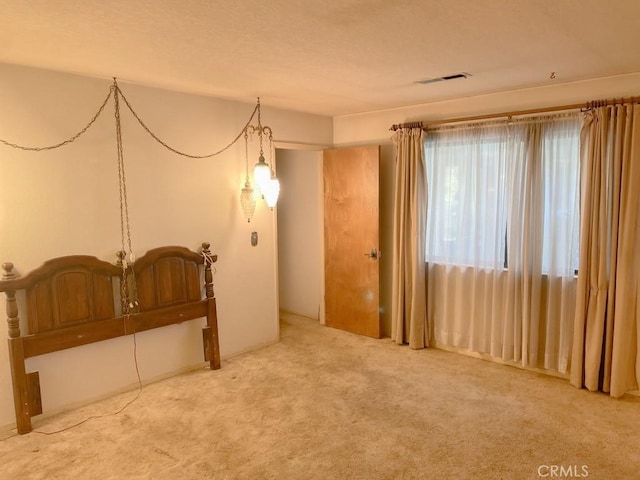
{"x": 373, "y": 254}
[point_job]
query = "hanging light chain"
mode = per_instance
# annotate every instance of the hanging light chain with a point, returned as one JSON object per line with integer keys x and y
{"x": 271, "y": 150}
{"x": 124, "y": 205}
{"x": 128, "y": 287}
{"x": 246, "y": 154}
{"x": 260, "y": 129}
{"x": 112, "y": 91}
{"x": 67, "y": 141}
{"x": 168, "y": 147}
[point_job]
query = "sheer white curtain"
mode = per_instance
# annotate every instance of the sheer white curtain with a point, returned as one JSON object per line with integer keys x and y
{"x": 502, "y": 238}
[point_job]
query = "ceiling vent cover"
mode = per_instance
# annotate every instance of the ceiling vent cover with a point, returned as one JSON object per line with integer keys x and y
{"x": 446, "y": 77}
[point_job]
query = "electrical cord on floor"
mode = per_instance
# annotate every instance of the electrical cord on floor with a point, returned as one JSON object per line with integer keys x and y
{"x": 120, "y": 410}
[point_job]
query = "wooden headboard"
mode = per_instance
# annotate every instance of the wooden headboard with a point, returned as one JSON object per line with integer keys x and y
{"x": 77, "y": 300}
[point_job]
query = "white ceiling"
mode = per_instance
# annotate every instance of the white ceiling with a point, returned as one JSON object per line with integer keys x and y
{"x": 329, "y": 57}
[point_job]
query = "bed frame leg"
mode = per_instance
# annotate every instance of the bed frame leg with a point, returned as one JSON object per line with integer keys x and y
{"x": 210, "y": 336}
{"x": 16, "y": 357}
{"x": 26, "y": 386}
{"x": 210, "y": 332}
{"x": 20, "y": 386}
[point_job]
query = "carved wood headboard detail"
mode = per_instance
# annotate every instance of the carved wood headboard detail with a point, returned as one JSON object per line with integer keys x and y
{"x": 74, "y": 301}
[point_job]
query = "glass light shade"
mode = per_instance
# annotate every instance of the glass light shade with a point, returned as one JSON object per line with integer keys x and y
{"x": 261, "y": 174}
{"x": 272, "y": 192}
{"x": 248, "y": 201}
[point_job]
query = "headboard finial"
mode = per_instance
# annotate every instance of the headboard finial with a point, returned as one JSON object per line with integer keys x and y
{"x": 120, "y": 254}
{"x": 208, "y": 275}
{"x": 13, "y": 321}
{"x": 8, "y": 271}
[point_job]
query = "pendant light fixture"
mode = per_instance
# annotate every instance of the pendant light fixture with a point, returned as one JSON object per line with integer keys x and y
{"x": 272, "y": 192}
{"x": 247, "y": 195}
{"x": 261, "y": 173}
{"x": 264, "y": 177}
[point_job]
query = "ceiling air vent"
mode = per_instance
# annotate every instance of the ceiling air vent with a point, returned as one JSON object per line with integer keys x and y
{"x": 446, "y": 77}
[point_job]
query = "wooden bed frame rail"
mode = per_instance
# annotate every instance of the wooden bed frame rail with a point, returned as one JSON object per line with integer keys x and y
{"x": 72, "y": 301}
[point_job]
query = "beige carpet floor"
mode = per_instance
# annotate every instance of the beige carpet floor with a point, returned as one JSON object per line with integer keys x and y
{"x": 325, "y": 404}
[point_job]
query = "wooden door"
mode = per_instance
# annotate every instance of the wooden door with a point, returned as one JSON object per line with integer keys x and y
{"x": 351, "y": 239}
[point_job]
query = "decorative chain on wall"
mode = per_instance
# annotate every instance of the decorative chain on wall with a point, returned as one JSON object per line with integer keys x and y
{"x": 164, "y": 144}
{"x": 117, "y": 92}
{"x": 67, "y": 141}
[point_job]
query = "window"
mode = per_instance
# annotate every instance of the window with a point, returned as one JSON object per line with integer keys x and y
{"x": 498, "y": 189}
{"x": 561, "y": 179}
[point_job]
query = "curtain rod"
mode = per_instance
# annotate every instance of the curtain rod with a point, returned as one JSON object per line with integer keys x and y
{"x": 581, "y": 106}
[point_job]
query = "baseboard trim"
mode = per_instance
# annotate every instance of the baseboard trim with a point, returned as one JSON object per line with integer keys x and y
{"x": 489, "y": 358}
{"x": 296, "y": 314}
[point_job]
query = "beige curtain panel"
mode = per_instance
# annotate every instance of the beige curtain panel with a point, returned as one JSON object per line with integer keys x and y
{"x": 606, "y": 333}
{"x": 408, "y": 306}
